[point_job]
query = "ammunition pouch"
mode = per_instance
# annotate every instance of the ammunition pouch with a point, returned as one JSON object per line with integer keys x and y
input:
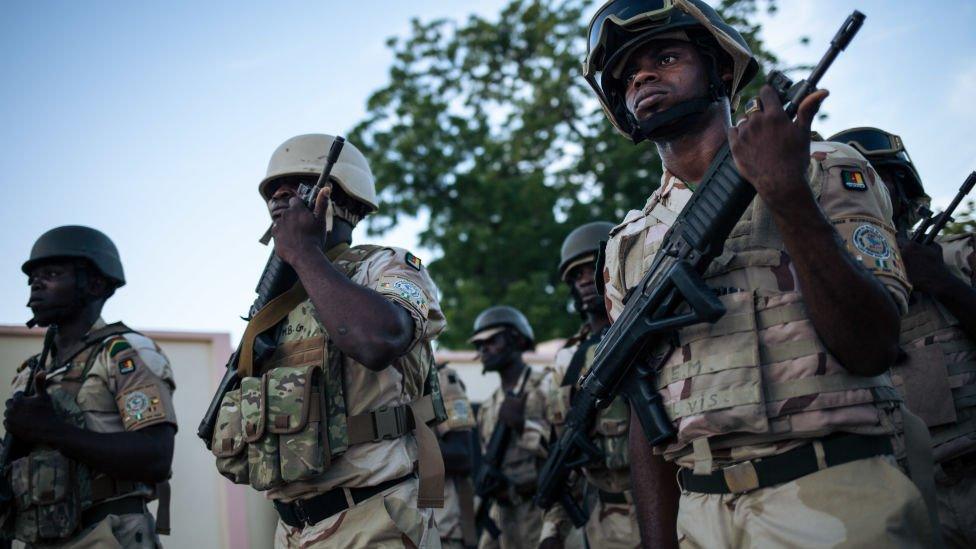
{"x": 50, "y": 492}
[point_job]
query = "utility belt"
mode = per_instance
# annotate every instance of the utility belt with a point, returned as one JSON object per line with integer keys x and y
{"x": 56, "y": 496}
{"x": 307, "y": 512}
{"x": 747, "y": 476}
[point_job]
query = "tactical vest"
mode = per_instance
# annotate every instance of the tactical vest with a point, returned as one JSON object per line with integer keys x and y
{"x": 938, "y": 375}
{"x": 612, "y": 423}
{"x": 287, "y": 422}
{"x": 761, "y": 374}
{"x": 51, "y": 490}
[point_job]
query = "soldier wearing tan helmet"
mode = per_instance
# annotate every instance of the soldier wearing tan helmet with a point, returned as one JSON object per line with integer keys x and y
{"x": 612, "y": 521}
{"x": 333, "y": 427}
{"x": 501, "y": 335}
{"x": 93, "y": 443}
{"x": 784, "y": 409}
{"x": 937, "y": 369}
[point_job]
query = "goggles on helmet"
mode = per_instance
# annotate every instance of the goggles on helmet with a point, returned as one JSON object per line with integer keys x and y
{"x": 630, "y": 15}
{"x": 872, "y": 142}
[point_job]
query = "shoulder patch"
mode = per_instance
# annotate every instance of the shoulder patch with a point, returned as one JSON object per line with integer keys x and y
{"x": 412, "y": 260}
{"x": 868, "y": 239}
{"x": 406, "y": 290}
{"x": 853, "y": 180}
{"x": 127, "y": 366}
{"x": 117, "y": 346}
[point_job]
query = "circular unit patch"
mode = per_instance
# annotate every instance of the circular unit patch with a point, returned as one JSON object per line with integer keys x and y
{"x": 136, "y": 403}
{"x": 870, "y": 240}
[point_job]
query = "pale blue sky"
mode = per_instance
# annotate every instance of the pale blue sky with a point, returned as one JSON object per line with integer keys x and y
{"x": 153, "y": 121}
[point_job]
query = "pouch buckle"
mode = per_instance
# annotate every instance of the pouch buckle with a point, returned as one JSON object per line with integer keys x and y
{"x": 389, "y": 422}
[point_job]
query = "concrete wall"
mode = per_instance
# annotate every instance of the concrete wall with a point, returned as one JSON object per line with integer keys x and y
{"x": 207, "y": 510}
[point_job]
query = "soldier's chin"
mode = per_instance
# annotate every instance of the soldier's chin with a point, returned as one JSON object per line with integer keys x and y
{"x": 45, "y": 317}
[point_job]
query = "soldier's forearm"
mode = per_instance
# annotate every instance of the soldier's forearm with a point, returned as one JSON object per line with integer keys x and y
{"x": 850, "y": 308}
{"x": 655, "y": 493}
{"x": 145, "y": 455}
{"x": 362, "y": 323}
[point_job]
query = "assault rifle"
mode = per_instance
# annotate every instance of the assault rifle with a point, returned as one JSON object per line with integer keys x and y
{"x": 490, "y": 477}
{"x": 36, "y": 365}
{"x": 929, "y": 228}
{"x": 698, "y": 235}
{"x": 276, "y": 279}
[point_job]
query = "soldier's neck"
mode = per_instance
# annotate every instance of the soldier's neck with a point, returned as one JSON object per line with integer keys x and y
{"x": 597, "y": 321}
{"x": 512, "y": 374}
{"x": 689, "y": 155}
{"x": 75, "y": 325}
{"x": 341, "y": 233}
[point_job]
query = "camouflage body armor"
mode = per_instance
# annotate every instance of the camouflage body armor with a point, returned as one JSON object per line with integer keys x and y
{"x": 52, "y": 491}
{"x": 290, "y": 423}
{"x": 938, "y": 378}
{"x": 760, "y": 380}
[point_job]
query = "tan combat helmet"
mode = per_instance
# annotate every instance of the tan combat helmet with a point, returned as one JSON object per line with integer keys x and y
{"x": 305, "y": 155}
{"x": 620, "y": 27}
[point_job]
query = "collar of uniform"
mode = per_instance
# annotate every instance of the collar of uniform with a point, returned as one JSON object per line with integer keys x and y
{"x": 98, "y": 325}
{"x": 334, "y": 252}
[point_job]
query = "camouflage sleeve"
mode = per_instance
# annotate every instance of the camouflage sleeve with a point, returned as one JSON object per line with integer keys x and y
{"x": 535, "y": 434}
{"x": 20, "y": 378}
{"x": 959, "y": 253}
{"x": 401, "y": 277}
{"x": 613, "y": 287}
{"x": 555, "y": 524}
{"x": 138, "y": 374}
{"x": 856, "y": 201}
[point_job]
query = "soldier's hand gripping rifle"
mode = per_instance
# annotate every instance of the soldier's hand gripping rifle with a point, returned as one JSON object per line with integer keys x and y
{"x": 276, "y": 278}
{"x": 621, "y": 365}
{"x": 929, "y": 228}
{"x": 490, "y": 478}
{"x": 34, "y": 367}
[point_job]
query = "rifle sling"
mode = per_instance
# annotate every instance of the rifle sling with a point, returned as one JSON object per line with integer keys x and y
{"x": 265, "y": 319}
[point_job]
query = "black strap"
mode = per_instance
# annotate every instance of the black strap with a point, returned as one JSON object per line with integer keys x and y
{"x": 774, "y": 470}
{"x": 302, "y": 512}
{"x": 132, "y": 505}
{"x": 616, "y": 498}
{"x": 93, "y": 338}
{"x": 579, "y": 360}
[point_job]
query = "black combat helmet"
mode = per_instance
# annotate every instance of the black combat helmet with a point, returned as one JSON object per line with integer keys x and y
{"x": 582, "y": 244}
{"x": 76, "y": 241}
{"x": 619, "y": 27}
{"x": 495, "y": 319}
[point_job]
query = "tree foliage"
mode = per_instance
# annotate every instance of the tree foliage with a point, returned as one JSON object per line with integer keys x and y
{"x": 964, "y": 220}
{"x": 487, "y": 128}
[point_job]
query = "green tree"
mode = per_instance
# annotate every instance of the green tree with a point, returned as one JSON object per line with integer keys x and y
{"x": 488, "y": 128}
{"x": 965, "y": 220}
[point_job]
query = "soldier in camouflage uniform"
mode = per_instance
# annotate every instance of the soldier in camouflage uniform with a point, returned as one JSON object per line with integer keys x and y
{"x": 94, "y": 443}
{"x": 501, "y": 335}
{"x": 937, "y": 370}
{"x": 612, "y": 522}
{"x": 455, "y": 521}
{"x": 784, "y": 409}
{"x": 334, "y": 424}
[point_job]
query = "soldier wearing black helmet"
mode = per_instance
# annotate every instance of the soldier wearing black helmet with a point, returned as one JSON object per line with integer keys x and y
{"x": 783, "y": 409}
{"x": 94, "y": 442}
{"x": 936, "y": 372}
{"x": 501, "y": 335}
{"x": 612, "y": 519}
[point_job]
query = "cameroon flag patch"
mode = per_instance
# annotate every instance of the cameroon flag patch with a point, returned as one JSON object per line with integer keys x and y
{"x": 853, "y": 180}
{"x": 413, "y": 261}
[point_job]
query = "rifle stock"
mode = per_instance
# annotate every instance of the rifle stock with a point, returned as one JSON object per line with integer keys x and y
{"x": 651, "y": 310}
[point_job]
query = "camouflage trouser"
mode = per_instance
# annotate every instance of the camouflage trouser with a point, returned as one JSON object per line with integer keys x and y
{"x": 864, "y": 503}
{"x": 613, "y": 526}
{"x": 125, "y": 531}
{"x": 388, "y": 519}
{"x": 520, "y": 525}
{"x": 957, "y": 508}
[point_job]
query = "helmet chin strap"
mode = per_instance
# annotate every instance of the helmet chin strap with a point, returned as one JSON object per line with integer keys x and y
{"x": 658, "y": 125}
